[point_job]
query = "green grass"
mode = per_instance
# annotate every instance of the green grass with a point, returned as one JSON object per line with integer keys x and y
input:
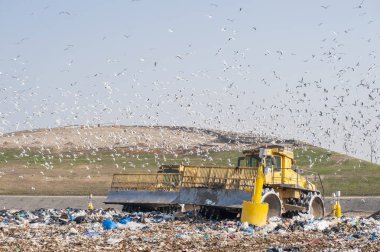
{"x": 339, "y": 172}
{"x": 80, "y": 173}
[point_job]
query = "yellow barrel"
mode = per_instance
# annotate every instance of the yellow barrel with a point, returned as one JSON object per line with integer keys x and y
{"x": 338, "y": 211}
{"x": 254, "y": 213}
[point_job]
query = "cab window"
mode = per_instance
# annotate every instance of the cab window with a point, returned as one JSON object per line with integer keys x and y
{"x": 252, "y": 161}
{"x": 276, "y": 162}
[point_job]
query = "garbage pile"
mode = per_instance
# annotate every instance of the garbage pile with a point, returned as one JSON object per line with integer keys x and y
{"x": 376, "y": 215}
{"x": 100, "y": 230}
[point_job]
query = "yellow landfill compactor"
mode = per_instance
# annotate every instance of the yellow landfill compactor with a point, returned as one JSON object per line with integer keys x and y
{"x": 216, "y": 190}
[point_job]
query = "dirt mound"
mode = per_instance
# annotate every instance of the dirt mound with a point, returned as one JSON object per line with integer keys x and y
{"x": 125, "y": 137}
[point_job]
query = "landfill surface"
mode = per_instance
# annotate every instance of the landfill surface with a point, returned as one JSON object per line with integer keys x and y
{"x": 115, "y": 230}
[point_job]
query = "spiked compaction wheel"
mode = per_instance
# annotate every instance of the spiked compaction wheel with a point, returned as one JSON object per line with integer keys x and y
{"x": 274, "y": 202}
{"x": 315, "y": 206}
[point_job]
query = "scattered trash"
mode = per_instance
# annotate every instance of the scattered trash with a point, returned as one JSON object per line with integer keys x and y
{"x": 131, "y": 226}
{"x": 99, "y": 230}
{"x": 182, "y": 236}
{"x": 73, "y": 231}
{"x": 375, "y": 216}
{"x": 113, "y": 241}
{"x": 80, "y": 219}
{"x": 280, "y": 249}
{"x": 92, "y": 233}
{"x": 319, "y": 225}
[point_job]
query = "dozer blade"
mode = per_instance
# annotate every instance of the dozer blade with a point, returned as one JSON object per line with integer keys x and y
{"x": 142, "y": 198}
{"x": 144, "y": 190}
{"x": 223, "y": 198}
{"x": 211, "y": 186}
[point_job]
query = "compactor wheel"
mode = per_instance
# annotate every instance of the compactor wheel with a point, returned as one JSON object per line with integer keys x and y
{"x": 274, "y": 202}
{"x": 316, "y": 206}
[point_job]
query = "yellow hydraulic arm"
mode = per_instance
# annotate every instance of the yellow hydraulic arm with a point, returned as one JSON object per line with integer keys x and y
{"x": 256, "y": 212}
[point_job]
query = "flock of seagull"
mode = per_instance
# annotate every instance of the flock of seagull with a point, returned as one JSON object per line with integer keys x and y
{"x": 340, "y": 111}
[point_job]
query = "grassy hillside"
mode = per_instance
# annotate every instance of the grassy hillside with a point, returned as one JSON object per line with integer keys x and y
{"x": 339, "y": 172}
{"x": 80, "y": 173}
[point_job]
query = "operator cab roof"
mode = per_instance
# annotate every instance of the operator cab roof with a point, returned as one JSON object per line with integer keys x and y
{"x": 275, "y": 149}
{"x": 272, "y": 146}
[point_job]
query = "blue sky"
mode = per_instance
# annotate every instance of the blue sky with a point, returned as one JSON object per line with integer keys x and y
{"x": 272, "y": 67}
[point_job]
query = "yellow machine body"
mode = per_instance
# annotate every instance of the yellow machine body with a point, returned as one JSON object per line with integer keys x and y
{"x": 268, "y": 171}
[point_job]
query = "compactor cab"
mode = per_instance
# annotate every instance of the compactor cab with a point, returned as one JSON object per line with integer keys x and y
{"x": 274, "y": 157}
{"x": 295, "y": 192}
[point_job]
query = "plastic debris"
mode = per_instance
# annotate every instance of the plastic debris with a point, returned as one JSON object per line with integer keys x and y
{"x": 125, "y": 220}
{"x": 375, "y": 216}
{"x": 182, "y": 236}
{"x": 80, "y": 219}
{"x": 113, "y": 230}
{"x": 319, "y": 225}
{"x": 109, "y": 224}
{"x": 113, "y": 241}
{"x": 73, "y": 231}
{"x": 92, "y": 233}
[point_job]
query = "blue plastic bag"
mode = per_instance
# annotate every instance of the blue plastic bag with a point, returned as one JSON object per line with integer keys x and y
{"x": 125, "y": 220}
{"x": 109, "y": 224}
